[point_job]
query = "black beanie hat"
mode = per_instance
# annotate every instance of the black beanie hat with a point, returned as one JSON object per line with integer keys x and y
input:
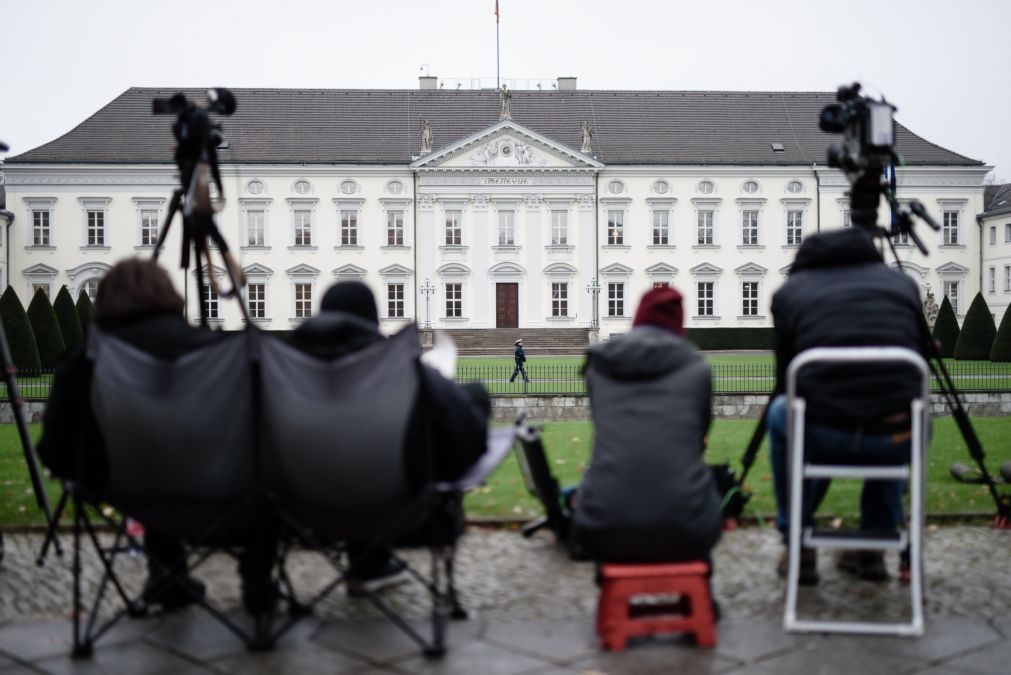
{"x": 352, "y": 297}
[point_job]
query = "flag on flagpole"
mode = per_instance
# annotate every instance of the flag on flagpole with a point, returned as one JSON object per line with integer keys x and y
{"x": 496, "y": 11}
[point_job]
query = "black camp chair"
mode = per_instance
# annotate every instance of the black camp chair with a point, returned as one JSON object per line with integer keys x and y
{"x": 179, "y": 438}
{"x": 335, "y": 434}
{"x": 541, "y": 483}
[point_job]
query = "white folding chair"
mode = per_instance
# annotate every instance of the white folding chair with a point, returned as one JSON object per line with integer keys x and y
{"x": 800, "y": 469}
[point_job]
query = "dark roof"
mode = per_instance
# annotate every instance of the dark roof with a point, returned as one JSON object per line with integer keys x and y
{"x": 381, "y": 126}
{"x": 997, "y": 199}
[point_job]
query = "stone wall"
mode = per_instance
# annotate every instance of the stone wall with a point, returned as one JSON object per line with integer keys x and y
{"x": 556, "y": 408}
{"x": 727, "y": 406}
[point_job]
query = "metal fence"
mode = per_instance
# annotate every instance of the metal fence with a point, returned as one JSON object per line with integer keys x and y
{"x": 732, "y": 378}
{"x": 567, "y": 378}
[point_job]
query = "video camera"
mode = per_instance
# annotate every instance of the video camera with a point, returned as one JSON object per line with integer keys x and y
{"x": 194, "y": 129}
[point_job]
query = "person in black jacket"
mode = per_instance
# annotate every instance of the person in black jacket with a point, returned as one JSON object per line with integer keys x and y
{"x": 840, "y": 293}
{"x": 137, "y": 303}
{"x": 458, "y": 416}
{"x": 520, "y": 357}
{"x": 647, "y": 495}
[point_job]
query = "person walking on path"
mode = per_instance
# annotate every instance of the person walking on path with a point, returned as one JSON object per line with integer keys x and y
{"x": 520, "y": 358}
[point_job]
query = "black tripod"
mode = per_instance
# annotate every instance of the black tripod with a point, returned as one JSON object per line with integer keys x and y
{"x": 196, "y": 156}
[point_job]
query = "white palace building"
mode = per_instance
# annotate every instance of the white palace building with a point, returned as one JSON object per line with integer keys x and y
{"x": 474, "y": 209}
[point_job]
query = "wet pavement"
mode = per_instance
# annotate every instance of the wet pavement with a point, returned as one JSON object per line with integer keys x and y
{"x": 532, "y": 611}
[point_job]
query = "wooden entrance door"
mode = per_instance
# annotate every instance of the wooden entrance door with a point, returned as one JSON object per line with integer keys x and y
{"x": 507, "y": 305}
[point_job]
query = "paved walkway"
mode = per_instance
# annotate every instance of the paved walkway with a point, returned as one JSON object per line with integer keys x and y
{"x": 532, "y": 612}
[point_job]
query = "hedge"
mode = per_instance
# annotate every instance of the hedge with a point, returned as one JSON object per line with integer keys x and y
{"x": 707, "y": 339}
{"x": 48, "y": 336}
{"x": 946, "y": 328}
{"x": 66, "y": 315}
{"x": 1001, "y": 350}
{"x": 85, "y": 311}
{"x": 20, "y": 336}
{"x": 978, "y": 330}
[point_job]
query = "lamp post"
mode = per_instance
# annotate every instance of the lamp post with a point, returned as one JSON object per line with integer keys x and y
{"x": 593, "y": 288}
{"x": 427, "y": 289}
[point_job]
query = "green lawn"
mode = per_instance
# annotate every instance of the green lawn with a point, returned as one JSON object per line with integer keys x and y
{"x": 568, "y": 445}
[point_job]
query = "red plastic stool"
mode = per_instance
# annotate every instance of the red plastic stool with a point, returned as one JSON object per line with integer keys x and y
{"x": 620, "y": 583}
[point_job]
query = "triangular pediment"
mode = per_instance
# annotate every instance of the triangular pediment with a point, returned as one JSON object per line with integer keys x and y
{"x": 395, "y": 271}
{"x": 616, "y": 270}
{"x": 257, "y": 270}
{"x": 40, "y": 270}
{"x": 951, "y": 268}
{"x": 349, "y": 272}
{"x": 706, "y": 268}
{"x": 750, "y": 269}
{"x": 661, "y": 269}
{"x": 506, "y": 145}
{"x": 302, "y": 270}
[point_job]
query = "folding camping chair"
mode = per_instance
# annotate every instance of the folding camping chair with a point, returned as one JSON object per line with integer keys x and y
{"x": 541, "y": 483}
{"x": 335, "y": 434}
{"x": 801, "y": 468}
{"x": 179, "y": 440}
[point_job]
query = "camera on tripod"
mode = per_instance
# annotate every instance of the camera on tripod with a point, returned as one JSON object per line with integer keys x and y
{"x": 868, "y": 129}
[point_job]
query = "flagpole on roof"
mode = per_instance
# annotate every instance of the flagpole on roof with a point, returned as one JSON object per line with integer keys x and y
{"x": 498, "y": 77}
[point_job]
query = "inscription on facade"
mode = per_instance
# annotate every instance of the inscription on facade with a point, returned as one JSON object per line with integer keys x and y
{"x": 506, "y": 181}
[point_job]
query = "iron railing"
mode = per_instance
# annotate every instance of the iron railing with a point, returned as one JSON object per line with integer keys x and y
{"x": 732, "y": 378}
{"x": 567, "y": 378}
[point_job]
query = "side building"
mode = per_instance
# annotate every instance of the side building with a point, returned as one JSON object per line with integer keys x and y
{"x": 474, "y": 209}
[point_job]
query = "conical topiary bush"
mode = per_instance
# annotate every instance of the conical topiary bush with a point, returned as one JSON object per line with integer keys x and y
{"x": 20, "y": 336}
{"x": 66, "y": 315}
{"x": 48, "y": 336}
{"x": 978, "y": 331}
{"x": 1001, "y": 350}
{"x": 946, "y": 328}
{"x": 85, "y": 311}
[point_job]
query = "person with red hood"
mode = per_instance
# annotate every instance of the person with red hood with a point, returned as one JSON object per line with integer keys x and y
{"x": 647, "y": 495}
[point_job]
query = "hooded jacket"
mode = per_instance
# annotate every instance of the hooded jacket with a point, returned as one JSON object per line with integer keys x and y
{"x": 647, "y": 495}
{"x": 840, "y": 293}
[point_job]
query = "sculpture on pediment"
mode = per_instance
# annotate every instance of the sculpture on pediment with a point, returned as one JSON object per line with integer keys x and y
{"x": 486, "y": 154}
{"x": 480, "y": 201}
{"x": 532, "y": 201}
{"x": 930, "y": 307}
{"x": 524, "y": 153}
{"x": 587, "y": 135}
{"x": 426, "y": 136}
{"x": 426, "y": 201}
{"x": 505, "y": 103}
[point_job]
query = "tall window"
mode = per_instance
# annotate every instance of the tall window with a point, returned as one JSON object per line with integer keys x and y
{"x": 256, "y": 300}
{"x": 506, "y": 228}
{"x": 661, "y": 228}
{"x": 749, "y": 227}
{"x": 454, "y": 231}
{"x": 993, "y": 235}
{"x": 90, "y": 287}
{"x": 794, "y": 227}
{"x": 705, "y": 294}
{"x": 96, "y": 227}
{"x": 395, "y": 301}
{"x": 847, "y": 220}
{"x": 303, "y": 300}
{"x": 349, "y": 228}
{"x": 951, "y": 290}
{"x": 454, "y": 300}
{"x": 993, "y": 279}
{"x": 40, "y": 228}
{"x": 616, "y": 299}
{"x": 559, "y": 228}
{"x": 1007, "y": 278}
{"x": 559, "y": 299}
{"x": 256, "y": 228}
{"x": 749, "y": 298}
{"x": 705, "y": 228}
{"x": 148, "y": 227}
{"x": 1007, "y": 233}
{"x": 394, "y": 228}
{"x": 210, "y": 302}
{"x": 615, "y": 228}
{"x": 303, "y": 227}
{"x": 901, "y": 238}
{"x": 949, "y": 227}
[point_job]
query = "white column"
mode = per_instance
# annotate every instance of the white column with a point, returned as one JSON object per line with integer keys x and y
{"x": 533, "y": 245}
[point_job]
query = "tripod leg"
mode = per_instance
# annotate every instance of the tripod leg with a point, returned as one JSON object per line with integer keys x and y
{"x": 173, "y": 208}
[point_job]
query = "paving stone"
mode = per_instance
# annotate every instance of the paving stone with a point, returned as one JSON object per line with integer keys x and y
{"x": 656, "y": 656}
{"x": 39, "y": 639}
{"x": 556, "y": 641}
{"x": 305, "y": 657}
{"x": 199, "y": 637}
{"x": 824, "y": 658}
{"x": 992, "y": 659}
{"x": 944, "y": 639}
{"x": 473, "y": 657}
{"x": 135, "y": 658}
{"x": 381, "y": 642}
{"x": 751, "y": 640}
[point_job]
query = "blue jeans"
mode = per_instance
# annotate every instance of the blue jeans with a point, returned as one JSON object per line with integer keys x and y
{"x": 880, "y": 500}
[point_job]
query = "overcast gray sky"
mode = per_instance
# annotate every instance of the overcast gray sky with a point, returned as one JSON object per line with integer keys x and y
{"x": 943, "y": 63}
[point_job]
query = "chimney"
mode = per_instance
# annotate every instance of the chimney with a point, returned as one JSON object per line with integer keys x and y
{"x": 428, "y": 82}
{"x": 566, "y": 84}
